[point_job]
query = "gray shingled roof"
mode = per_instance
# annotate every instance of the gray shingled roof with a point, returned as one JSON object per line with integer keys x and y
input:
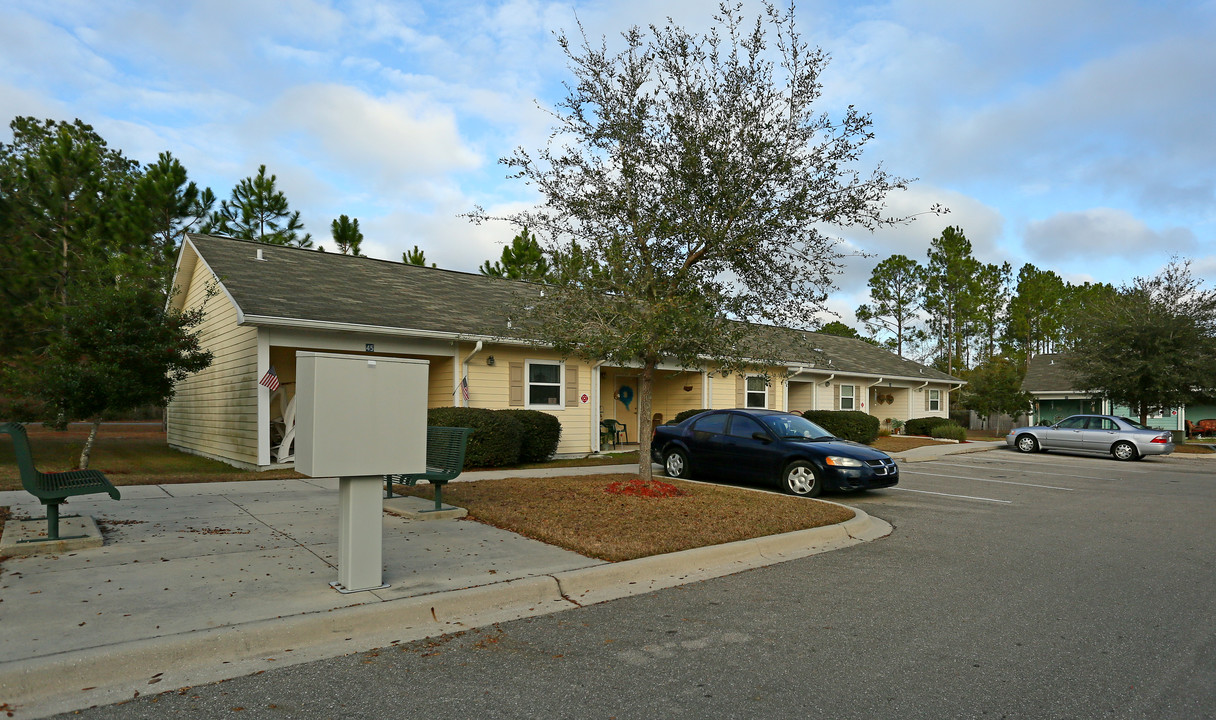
{"x": 311, "y": 286}
{"x": 1049, "y": 373}
{"x": 853, "y": 355}
{"x": 307, "y": 286}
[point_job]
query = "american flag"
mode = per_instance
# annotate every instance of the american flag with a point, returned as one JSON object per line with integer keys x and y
{"x": 464, "y": 388}
{"x": 270, "y": 379}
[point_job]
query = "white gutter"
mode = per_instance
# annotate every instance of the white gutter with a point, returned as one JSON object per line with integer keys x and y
{"x": 870, "y": 387}
{"x": 373, "y": 329}
{"x": 804, "y": 370}
{"x": 476, "y": 349}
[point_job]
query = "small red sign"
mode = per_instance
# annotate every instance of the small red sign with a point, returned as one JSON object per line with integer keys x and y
{"x": 584, "y": 398}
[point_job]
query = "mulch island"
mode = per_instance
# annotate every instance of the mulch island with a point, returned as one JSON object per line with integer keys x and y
{"x": 618, "y": 517}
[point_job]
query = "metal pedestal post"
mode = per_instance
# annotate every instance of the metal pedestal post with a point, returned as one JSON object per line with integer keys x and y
{"x": 360, "y": 508}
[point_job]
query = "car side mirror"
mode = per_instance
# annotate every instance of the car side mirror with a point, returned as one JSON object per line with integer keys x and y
{"x": 762, "y": 437}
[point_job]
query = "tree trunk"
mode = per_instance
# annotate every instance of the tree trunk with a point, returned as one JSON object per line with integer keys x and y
{"x": 88, "y": 444}
{"x": 645, "y": 419}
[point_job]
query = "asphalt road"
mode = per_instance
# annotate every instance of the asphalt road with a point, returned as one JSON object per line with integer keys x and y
{"x": 1013, "y": 586}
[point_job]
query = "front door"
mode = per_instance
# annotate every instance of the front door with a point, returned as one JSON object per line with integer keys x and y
{"x": 625, "y": 405}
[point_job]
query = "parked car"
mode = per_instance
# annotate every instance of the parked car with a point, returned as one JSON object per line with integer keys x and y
{"x": 769, "y": 446}
{"x": 1123, "y": 438}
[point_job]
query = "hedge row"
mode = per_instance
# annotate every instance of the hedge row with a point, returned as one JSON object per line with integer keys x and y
{"x": 682, "y": 416}
{"x": 924, "y": 425}
{"x": 501, "y": 437}
{"x": 950, "y": 431}
{"x": 846, "y": 424}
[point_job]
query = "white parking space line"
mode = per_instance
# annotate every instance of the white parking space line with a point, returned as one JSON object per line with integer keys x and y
{"x": 964, "y": 497}
{"x": 990, "y": 480}
{"x": 1031, "y": 472}
{"x": 1052, "y": 460}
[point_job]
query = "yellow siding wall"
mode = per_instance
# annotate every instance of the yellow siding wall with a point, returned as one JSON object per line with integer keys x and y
{"x": 724, "y": 390}
{"x": 214, "y": 412}
{"x": 897, "y": 409}
{"x": 801, "y": 396}
{"x": 670, "y": 397}
{"x": 488, "y": 388}
{"x": 440, "y": 390}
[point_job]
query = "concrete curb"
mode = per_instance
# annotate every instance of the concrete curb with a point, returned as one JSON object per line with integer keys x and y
{"x": 909, "y": 456}
{"x": 602, "y": 583}
{"x": 40, "y": 686}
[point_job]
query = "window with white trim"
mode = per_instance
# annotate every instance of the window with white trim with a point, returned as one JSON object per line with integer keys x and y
{"x": 757, "y": 392}
{"x": 935, "y": 400}
{"x": 848, "y": 397}
{"x": 544, "y": 384}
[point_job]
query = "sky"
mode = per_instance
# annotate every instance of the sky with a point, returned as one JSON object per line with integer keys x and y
{"x": 1077, "y": 135}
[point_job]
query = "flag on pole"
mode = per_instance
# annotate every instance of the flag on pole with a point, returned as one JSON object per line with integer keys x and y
{"x": 464, "y": 388}
{"x": 270, "y": 379}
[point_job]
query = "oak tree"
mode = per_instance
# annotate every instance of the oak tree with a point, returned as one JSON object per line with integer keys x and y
{"x": 688, "y": 191}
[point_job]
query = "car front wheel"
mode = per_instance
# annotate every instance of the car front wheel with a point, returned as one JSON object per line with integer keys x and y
{"x": 800, "y": 479}
{"x": 1124, "y": 451}
{"x": 1027, "y": 444}
{"x": 675, "y": 464}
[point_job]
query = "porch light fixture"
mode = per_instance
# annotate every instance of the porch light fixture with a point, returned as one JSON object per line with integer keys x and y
{"x": 490, "y": 360}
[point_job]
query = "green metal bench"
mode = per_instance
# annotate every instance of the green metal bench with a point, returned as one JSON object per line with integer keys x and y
{"x": 52, "y": 489}
{"x": 445, "y": 448}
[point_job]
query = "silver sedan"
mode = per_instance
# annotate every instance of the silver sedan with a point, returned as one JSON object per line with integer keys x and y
{"x": 1123, "y": 438}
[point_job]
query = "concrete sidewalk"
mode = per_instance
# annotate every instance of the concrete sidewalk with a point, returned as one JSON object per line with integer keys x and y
{"x": 201, "y": 582}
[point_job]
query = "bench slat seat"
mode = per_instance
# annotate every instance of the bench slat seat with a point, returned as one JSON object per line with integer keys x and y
{"x": 445, "y": 449}
{"x": 53, "y": 488}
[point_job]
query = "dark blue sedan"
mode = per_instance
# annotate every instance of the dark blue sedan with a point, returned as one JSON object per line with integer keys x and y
{"x": 769, "y": 446}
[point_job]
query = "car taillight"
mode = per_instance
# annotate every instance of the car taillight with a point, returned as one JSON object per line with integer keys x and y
{"x": 1162, "y": 439}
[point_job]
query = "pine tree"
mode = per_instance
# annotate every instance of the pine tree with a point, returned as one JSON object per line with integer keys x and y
{"x": 950, "y": 295}
{"x": 259, "y": 211}
{"x": 523, "y": 259}
{"x": 896, "y": 298}
{"x": 415, "y": 257}
{"x": 347, "y": 235}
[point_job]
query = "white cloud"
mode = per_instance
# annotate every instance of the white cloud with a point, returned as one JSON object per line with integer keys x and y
{"x": 983, "y": 225}
{"x": 449, "y": 240}
{"x": 1102, "y": 233}
{"x": 386, "y": 139}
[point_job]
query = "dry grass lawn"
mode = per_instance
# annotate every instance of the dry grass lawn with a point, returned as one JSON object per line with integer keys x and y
{"x": 577, "y": 514}
{"x": 899, "y": 443}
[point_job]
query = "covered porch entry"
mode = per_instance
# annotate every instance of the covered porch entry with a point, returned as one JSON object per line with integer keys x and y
{"x": 675, "y": 390}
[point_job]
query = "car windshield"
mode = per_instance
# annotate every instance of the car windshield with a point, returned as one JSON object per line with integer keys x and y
{"x": 1135, "y": 424}
{"x": 794, "y": 426}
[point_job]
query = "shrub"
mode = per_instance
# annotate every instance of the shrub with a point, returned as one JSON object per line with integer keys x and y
{"x": 847, "y": 424}
{"x": 541, "y": 433}
{"x": 950, "y": 431}
{"x": 496, "y": 438}
{"x": 682, "y": 416}
{"x": 924, "y": 425}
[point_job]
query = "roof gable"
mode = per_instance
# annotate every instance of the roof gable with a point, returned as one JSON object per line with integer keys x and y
{"x": 1050, "y": 372}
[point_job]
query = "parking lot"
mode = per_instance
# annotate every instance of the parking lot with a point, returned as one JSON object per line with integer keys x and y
{"x": 1005, "y": 477}
{"x": 1032, "y": 586}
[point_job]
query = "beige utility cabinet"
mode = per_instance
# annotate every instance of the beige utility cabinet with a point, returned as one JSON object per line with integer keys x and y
{"x": 359, "y": 418}
{"x": 360, "y": 415}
